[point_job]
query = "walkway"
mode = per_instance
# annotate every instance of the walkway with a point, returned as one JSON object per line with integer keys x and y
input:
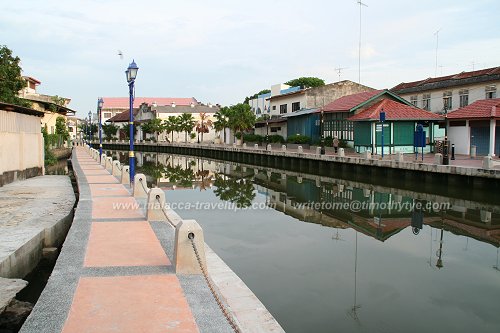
{"x": 115, "y": 274}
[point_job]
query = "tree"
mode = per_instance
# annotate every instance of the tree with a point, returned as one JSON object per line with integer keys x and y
{"x": 61, "y": 128}
{"x": 222, "y": 120}
{"x": 109, "y": 130}
{"x": 306, "y": 82}
{"x": 126, "y": 129}
{"x": 241, "y": 118}
{"x": 153, "y": 126}
{"x": 171, "y": 125}
{"x": 11, "y": 80}
{"x": 203, "y": 125}
{"x": 262, "y": 92}
{"x": 186, "y": 124}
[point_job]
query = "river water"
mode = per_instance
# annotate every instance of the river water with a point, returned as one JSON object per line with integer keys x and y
{"x": 329, "y": 255}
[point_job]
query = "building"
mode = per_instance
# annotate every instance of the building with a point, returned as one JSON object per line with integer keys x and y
{"x": 273, "y": 126}
{"x": 451, "y": 92}
{"x": 398, "y": 128}
{"x": 21, "y": 143}
{"x": 477, "y": 124}
{"x": 51, "y": 106}
{"x": 304, "y": 122}
{"x": 295, "y": 98}
{"x": 113, "y": 106}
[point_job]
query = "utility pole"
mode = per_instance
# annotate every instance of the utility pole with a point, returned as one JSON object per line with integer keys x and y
{"x": 359, "y": 46}
{"x": 437, "y": 46}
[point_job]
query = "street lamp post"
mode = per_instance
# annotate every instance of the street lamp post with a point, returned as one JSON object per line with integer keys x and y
{"x": 322, "y": 129}
{"x": 131, "y": 73}
{"x": 90, "y": 129}
{"x": 100, "y": 102}
{"x": 267, "y": 132}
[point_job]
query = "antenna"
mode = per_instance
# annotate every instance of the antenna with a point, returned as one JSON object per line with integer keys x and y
{"x": 339, "y": 71}
{"x": 359, "y": 46}
{"x": 437, "y": 46}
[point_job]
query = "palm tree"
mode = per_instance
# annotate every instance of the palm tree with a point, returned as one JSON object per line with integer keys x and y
{"x": 186, "y": 124}
{"x": 222, "y": 120}
{"x": 241, "y": 119}
{"x": 203, "y": 125}
{"x": 171, "y": 125}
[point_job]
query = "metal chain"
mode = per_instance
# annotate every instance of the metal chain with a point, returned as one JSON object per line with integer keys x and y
{"x": 144, "y": 188}
{"x": 212, "y": 289}
{"x": 163, "y": 211}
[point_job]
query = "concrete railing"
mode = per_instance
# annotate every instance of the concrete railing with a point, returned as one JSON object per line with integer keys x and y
{"x": 188, "y": 233}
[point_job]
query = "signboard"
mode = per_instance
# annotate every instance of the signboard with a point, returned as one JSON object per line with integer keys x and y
{"x": 419, "y": 137}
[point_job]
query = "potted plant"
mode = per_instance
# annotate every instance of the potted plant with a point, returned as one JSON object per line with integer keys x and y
{"x": 238, "y": 137}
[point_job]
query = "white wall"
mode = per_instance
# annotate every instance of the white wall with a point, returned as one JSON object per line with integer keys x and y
{"x": 288, "y": 101}
{"x": 476, "y": 92}
{"x": 21, "y": 142}
{"x": 459, "y": 136}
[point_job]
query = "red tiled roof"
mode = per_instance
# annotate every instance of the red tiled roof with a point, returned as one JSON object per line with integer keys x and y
{"x": 122, "y": 117}
{"x": 30, "y": 78}
{"x": 123, "y": 102}
{"x": 485, "y": 108}
{"x": 394, "y": 111}
{"x": 346, "y": 103}
{"x": 462, "y": 75}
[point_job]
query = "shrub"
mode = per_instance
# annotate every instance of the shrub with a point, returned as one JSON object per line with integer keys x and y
{"x": 238, "y": 135}
{"x": 252, "y": 138}
{"x": 276, "y": 138}
{"x": 297, "y": 138}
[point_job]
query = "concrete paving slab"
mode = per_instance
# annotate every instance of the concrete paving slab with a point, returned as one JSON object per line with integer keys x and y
{"x": 108, "y": 190}
{"x": 115, "y": 208}
{"x": 118, "y": 304}
{"x": 124, "y": 244}
{"x": 8, "y": 290}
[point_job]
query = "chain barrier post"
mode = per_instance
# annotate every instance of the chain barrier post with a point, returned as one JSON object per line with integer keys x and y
{"x": 140, "y": 186}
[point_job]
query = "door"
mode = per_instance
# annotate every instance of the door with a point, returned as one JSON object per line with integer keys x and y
{"x": 497, "y": 141}
{"x": 480, "y": 137}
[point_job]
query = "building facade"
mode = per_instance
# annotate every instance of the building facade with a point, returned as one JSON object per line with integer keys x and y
{"x": 451, "y": 92}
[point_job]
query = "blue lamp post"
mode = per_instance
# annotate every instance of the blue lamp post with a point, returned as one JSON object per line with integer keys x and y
{"x": 90, "y": 129}
{"x": 382, "y": 120}
{"x": 100, "y": 102}
{"x": 131, "y": 73}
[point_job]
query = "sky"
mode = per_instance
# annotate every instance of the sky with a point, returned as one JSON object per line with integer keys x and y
{"x": 220, "y": 51}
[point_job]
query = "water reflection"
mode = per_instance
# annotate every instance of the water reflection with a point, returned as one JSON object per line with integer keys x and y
{"x": 332, "y": 254}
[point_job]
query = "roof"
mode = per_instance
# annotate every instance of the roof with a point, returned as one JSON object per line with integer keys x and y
{"x": 347, "y": 103}
{"x": 271, "y": 121}
{"x": 122, "y": 117}
{"x": 187, "y": 109}
{"x": 485, "y": 108}
{"x": 20, "y": 109}
{"x": 47, "y": 101}
{"x": 123, "y": 102}
{"x": 462, "y": 78}
{"x": 32, "y": 79}
{"x": 394, "y": 111}
{"x": 299, "y": 113}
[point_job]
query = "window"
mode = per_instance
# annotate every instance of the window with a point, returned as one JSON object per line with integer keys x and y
{"x": 491, "y": 91}
{"x": 295, "y": 106}
{"x": 447, "y": 100}
{"x": 464, "y": 97}
{"x": 283, "y": 108}
{"x": 414, "y": 100}
{"x": 274, "y": 107}
{"x": 107, "y": 115}
{"x": 426, "y": 102}
{"x": 275, "y": 129}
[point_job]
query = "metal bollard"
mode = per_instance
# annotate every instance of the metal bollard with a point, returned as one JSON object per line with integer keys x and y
{"x": 453, "y": 151}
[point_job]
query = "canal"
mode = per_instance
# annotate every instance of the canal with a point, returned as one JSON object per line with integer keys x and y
{"x": 331, "y": 255}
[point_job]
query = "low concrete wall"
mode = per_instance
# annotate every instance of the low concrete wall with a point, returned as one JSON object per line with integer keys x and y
{"x": 37, "y": 214}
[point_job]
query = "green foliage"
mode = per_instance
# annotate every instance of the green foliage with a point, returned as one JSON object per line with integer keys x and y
{"x": 192, "y": 135}
{"x": 109, "y": 130}
{"x": 239, "y": 191}
{"x": 186, "y": 124}
{"x": 306, "y": 82}
{"x": 275, "y": 138}
{"x": 61, "y": 128}
{"x": 247, "y": 99}
{"x": 241, "y": 118}
{"x": 297, "y": 138}
{"x": 172, "y": 125}
{"x": 11, "y": 79}
{"x": 126, "y": 129}
{"x": 50, "y": 158}
{"x": 253, "y": 138}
